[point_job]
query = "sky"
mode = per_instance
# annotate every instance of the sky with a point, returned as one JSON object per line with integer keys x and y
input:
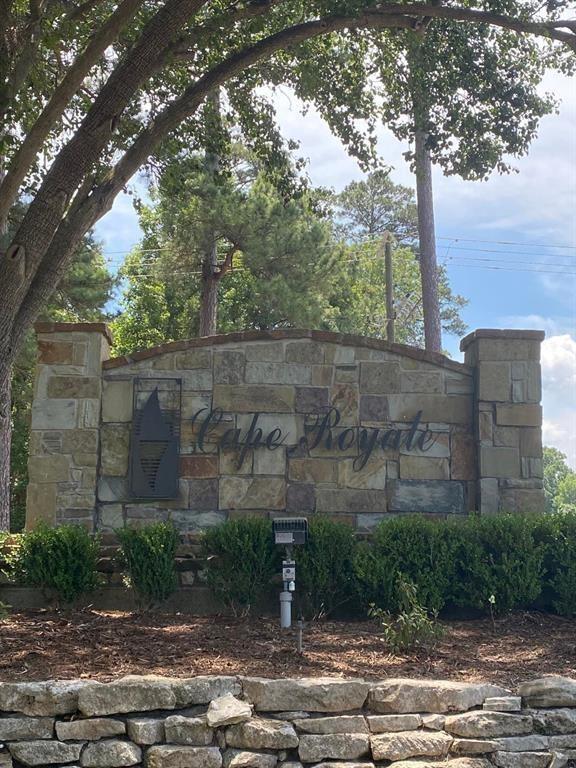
{"x": 509, "y": 243}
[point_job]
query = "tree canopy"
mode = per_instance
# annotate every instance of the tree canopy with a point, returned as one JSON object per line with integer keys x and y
{"x": 92, "y": 91}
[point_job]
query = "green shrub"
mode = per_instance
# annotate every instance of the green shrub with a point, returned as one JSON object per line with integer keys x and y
{"x": 148, "y": 554}
{"x": 496, "y": 555}
{"x": 412, "y": 627}
{"x": 557, "y": 533}
{"x": 242, "y": 561}
{"x": 61, "y": 559}
{"x": 324, "y": 567}
{"x": 418, "y": 548}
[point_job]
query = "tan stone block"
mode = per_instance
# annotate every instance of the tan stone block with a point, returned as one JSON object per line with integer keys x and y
{"x": 116, "y": 400}
{"x": 268, "y": 462}
{"x": 530, "y": 501}
{"x": 53, "y": 468}
{"x": 455, "y": 409}
{"x": 313, "y": 470}
{"x": 196, "y": 380}
{"x": 278, "y": 373}
{"x": 421, "y": 468}
{"x": 114, "y": 442}
{"x": 519, "y": 415}
{"x": 74, "y": 386}
{"x": 463, "y": 463}
{"x": 85, "y": 459}
{"x": 533, "y": 382}
{"x": 489, "y": 495}
{"x": 110, "y": 516}
{"x": 458, "y": 385}
{"x": 193, "y": 358}
{"x": 379, "y": 378}
{"x": 347, "y": 374}
{"x": 263, "y": 398}
{"x": 532, "y": 467}
{"x": 531, "y": 442}
{"x": 54, "y": 414}
{"x": 485, "y": 426}
{"x": 40, "y": 504}
{"x": 79, "y": 440}
{"x": 322, "y": 375}
{"x": 163, "y": 362}
{"x": 192, "y": 404}
{"x": 59, "y": 352}
{"x": 344, "y": 355}
{"x": 518, "y": 391}
{"x": 229, "y": 367}
{"x": 89, "y": 414}
{"x": 499, "y": 462}
{"x": 272, "y": 352}
{"x": 508, "y": 349}
{"x": 371, "y": 476}
{"x": 351, "y": 500}
{"x": 88, "y": 479}
{"x": 506, "y": 437}
{"x": 494, "y": 382}
{"x": 252, "y": 493}
{"x": 417, "y": 381}
{"x": 199, "y": 466}
{"x": 344, "y": 397}
{"x": 304, "y": 352}
{"x": 229, "y": 462}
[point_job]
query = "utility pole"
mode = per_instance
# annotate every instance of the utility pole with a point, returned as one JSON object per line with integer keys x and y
{"x": 388, "y": 277}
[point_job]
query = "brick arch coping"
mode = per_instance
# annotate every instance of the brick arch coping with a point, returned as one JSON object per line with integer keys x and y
{"x": 330, "y": 337}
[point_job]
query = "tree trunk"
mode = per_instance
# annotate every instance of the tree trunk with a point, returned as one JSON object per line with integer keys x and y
{"x": 5, "y": 440}
{"x": 210, "y": 273}
{"x": 209, "y": 300}
{"x": 427, "y": 239}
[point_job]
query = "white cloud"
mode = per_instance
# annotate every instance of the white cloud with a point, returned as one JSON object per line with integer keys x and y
{"x": 559, "y": 394}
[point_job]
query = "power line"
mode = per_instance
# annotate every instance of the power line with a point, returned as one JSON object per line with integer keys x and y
{"x": 505, "y": 242}
{"x": 511, "y": 269}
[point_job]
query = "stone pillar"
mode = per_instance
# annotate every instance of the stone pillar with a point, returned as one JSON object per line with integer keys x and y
{"x": 64, "y": 436}
{"x": 508, "y": 418}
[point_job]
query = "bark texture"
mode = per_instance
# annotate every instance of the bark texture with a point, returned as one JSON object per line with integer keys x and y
{"x": 427, "y": 240}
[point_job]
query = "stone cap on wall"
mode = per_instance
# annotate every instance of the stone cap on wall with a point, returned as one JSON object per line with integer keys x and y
{"x": 290, "y": 333}
{"x": 500, "y": 333}
{"x": 49, "y": 327}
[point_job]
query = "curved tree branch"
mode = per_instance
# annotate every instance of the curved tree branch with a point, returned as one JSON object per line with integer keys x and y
{"x": 54, "y": 109}
{"x": 94, "y": 205}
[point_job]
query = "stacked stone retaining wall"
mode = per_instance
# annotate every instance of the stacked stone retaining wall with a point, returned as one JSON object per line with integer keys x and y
{"x": 235, "y": 722}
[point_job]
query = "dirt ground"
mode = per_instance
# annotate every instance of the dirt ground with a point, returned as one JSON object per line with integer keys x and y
{"x": 36, "y": 645}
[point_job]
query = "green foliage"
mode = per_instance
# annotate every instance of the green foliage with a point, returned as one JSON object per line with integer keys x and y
{"x": 289, "y": 267}
{"x": 242, "y": 561}
{"x": 61, "y": 560}
{"x": 557, "y": 533}
{"x": 4, "y": 611}
{"x": 148, "y": 554}
{"x": 325, "y": 567}
{"x": 414, "y": 546}
{"x": 413, "y": 627}
{"x": 559, "y": 482}
{"x": 496, "y": 556}
{"x": 275, "y": 254}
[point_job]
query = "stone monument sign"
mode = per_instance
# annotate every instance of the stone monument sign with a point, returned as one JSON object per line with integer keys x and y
{"x": 278, "y": 423}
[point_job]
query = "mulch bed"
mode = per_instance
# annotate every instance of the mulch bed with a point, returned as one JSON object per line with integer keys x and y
{"x": 37, "y": 645}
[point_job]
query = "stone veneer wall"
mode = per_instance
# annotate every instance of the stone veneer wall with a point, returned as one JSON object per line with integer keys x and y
{"x": 83, "y": 409}
{"x": 235, "y": 722}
